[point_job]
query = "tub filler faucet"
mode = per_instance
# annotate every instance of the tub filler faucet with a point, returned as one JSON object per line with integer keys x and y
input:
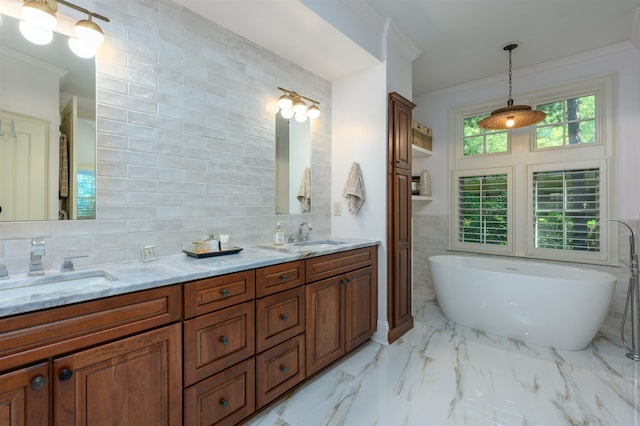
{"x": 37, "y": 251}
{"x": 633, "y": 298}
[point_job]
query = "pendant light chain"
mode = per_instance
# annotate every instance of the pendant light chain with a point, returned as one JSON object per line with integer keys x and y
{"x": 510, "y": 73}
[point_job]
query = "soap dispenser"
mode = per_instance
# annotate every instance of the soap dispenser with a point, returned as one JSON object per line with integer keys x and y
{"x": 278, "y": 235}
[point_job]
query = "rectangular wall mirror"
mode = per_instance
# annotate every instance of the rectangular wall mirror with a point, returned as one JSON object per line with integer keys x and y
{"x": 293, "y": 166}
{"x": 47, "y": 129}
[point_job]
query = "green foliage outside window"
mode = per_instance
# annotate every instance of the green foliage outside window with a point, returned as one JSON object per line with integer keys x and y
{"x": 483, "y": 209}
{"x": 568, "y": 122}
{"x": 478, "y": 141}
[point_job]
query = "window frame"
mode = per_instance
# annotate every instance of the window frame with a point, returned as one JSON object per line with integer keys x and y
{"x": 523, "y": 156}
{"x": 546, "y": 253}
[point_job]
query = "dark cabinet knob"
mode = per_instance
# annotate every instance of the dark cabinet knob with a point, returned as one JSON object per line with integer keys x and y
{"x": 284, "y": 317}
{"x": 284, "y": 368}
{"x": 224, "y": 403}
{"x": 283, "y": 277}
{"x": 65, "y": 374}
{"x": 38, "y": 383}
{"x": 224, "y": 292}
{"x": 224, "y": 340}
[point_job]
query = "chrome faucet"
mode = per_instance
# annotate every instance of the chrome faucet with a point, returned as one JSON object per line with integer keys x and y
{"x": 37, "y": 251}
{"x": 302, "y": 225}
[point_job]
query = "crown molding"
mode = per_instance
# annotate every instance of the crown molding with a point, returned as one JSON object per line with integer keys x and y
{"x": 397, "y": 37}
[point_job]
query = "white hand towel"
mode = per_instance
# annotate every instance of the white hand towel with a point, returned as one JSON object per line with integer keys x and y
{"x": 304, "y": 192}
{"x": 354, "y": 189}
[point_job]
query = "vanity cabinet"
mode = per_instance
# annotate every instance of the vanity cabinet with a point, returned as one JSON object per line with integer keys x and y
{"x": 341, "y": 306}
{"x": 115, "y": 360}
{"x": 206, "y": 352}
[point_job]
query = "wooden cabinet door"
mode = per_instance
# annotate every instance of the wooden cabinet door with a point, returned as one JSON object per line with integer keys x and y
{"x": 136, "y": 381}
{"x": 361, "y": 307}
{"x": 400, "y": 293}
{"x": 325, "y": 323}
{"x": 24, "y": 396}
{"x": 400, "y": 130}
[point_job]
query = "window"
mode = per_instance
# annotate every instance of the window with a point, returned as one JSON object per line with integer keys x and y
{"x": 568, "y": 122}
{"x": 483, "y": 209}
{"x": 566, "y": 209}
{"x": 544, "y": 195}
{"x": 479, "y": 141}
{"x": 86, "y": 194}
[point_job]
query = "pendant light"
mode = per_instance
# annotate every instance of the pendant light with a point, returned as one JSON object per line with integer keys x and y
{"x": 512, "y": 116}
{"x": 38, "y": 22}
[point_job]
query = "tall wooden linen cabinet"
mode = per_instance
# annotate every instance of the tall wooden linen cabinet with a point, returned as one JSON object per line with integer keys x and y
{"x": 399, "y": 216}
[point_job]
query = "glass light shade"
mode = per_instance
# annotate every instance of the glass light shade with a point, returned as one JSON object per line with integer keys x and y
{"x": 89, "y": 33}
{"x": 82, "y": 49}
{"x": 510, "y": 122}
{"x": 299, "y": 107}
{"x": 313, "y": 112}
{"x": 301, "y": 118}
{"x": 287, "y": 113}
{"x": 39, "y": 15}
{"x": 35, "y": 34}
{"x": 285, "y": 102}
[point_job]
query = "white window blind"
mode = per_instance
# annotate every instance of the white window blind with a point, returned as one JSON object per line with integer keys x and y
{"x": 566, "y": 209}
{"x": 483, "y": 209}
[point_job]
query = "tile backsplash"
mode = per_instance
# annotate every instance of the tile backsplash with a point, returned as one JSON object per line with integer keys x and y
{"x": 186, "y": 141}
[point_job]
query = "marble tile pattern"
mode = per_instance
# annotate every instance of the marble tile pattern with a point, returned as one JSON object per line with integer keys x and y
{"x": 441, "y": 374}
{"x": 137, "y": 275}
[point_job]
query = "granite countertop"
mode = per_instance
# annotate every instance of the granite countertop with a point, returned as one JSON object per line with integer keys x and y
{"x": 21, "y": 294}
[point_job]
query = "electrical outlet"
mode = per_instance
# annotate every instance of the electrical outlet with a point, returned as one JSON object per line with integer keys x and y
{"x": 148, "y": 253}
{"x": 337, "y": 208}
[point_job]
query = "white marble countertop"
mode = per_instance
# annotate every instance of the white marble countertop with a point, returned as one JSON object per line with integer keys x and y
{"x": 21, "y": 294}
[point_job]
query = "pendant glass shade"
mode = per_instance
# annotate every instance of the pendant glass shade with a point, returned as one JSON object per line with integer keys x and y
{"x": 313, "y": 112}
{"x": 512, "y": 116}
{"x": 89, "y": 33}
{"x": 82, "y": 49}
{"x": 39, "y": 15}
{"x": 285, "y": 102}
{"x": 299, "y": 107}
{"x": 35, "y": 34}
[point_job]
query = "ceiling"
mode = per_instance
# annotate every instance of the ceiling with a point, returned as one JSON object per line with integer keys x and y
{"x": 459, "y": 40}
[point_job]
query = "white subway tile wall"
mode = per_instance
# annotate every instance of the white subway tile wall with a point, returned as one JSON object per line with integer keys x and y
{"x": 186, "y": 141}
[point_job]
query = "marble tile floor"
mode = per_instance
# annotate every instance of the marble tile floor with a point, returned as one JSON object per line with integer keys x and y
{"x": 445, "y": 374}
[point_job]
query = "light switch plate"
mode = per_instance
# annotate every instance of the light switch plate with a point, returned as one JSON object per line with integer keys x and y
{"x": 337, "y": 208}
{"x": 148, "y": 253}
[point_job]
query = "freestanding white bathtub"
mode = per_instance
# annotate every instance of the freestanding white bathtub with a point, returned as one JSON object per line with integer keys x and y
{"x": 541, "y": 303}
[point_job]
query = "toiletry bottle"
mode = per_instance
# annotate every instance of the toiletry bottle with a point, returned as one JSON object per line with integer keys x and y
{"x": 278, "y": 235}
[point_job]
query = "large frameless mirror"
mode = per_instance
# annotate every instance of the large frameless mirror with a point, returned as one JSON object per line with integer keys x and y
{"x": 47, "y": 129}
{"x": 293, "y": 166}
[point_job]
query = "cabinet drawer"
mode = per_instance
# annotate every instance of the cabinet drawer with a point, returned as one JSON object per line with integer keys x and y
{"x": 279, "y": 317}
{"x": 218, "y": 340}
{"x": 224, "y": 399}
{"x": 272, "y": 279}
{"x": 321, "y": 267}
{"x": 34, "y": 336}
{"x": 211, "y": 294}
{"x": 279, "y": 369}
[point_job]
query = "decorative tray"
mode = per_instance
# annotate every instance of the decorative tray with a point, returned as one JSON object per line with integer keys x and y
{"x": 232, "y": 250}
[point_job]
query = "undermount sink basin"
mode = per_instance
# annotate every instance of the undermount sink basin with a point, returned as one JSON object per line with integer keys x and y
{"x": 318, "y": 243}
{"x": 94, "y": 276}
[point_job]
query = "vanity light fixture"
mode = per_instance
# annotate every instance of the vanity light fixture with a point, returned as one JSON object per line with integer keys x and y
{"x": 512, "y": 116}
{"x": 291, "y": 104}
{"x": 39, "y": 20}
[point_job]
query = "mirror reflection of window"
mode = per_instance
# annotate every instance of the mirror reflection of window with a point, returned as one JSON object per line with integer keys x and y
{"x": 293, "y": 166}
